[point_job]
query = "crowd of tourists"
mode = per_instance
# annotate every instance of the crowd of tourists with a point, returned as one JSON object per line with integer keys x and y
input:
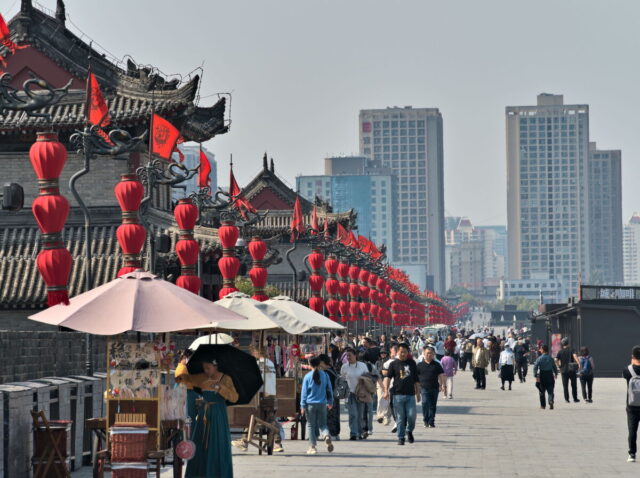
{"x": 382, "y": 380}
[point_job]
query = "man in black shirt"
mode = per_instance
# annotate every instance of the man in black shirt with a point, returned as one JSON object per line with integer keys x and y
{"x": 633, "y": 412}
{"x": 406, "y": 389}
{"x": 521, "y": 350}
{"x": 567, "y": 362}
{"x": 432, "y": 380}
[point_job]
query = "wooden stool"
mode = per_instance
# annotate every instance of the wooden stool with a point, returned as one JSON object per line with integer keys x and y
{"x": 256, "y": 435}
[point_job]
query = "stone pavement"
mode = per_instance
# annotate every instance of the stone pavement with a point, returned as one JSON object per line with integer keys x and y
{"x": 480, "y": 434}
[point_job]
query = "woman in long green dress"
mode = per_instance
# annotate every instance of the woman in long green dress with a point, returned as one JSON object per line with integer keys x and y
{"x": 211, "y": 430}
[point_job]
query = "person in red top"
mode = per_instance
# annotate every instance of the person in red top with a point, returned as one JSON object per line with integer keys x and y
{"x": 450, "y": 344}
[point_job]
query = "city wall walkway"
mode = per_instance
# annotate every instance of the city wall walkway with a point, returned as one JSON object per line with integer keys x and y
{"x": 478, "y": 433}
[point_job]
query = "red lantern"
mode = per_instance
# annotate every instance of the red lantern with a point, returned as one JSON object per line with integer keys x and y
{"x": 333, "y": 307}
{"x": 332, "y": 287}
{"x": 354, "y": 309}
{"x": 344, "y": 310}
{"x": 187, "y": 251}
{"x": 48, "y": 157}
{"x": 51, "y": 212}
{"x": 228, "y": 264}
{"x": 191, "y": 283}
{"x": 130, "y": 234}
{"x": 316, "y": 281}
{"x": 258, "y": 273}
{"x": 331, "y": 265}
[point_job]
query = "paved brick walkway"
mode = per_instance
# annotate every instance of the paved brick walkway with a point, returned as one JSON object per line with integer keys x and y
{"x": 479, "y": 433}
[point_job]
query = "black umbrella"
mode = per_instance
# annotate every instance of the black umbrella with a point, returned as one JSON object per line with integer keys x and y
{"x": 240, "y": 366}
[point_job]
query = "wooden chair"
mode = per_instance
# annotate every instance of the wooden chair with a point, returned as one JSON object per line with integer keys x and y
{"x": 52, "y": 457}
{"x": 261, "y": 435}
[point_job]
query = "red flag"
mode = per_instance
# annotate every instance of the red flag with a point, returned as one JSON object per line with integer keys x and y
{"x": 204, "y": 181}
{"x": 364, "y": 244}
{"x": 297, "y": 222}
{"x": 341, "y": 233}
{"x": 326, "y": 229}
{"x": 314, "y": 222}
{"x": 352, "y": 241}
{"x": 97, "y": 110}
{"x": 5, "y": 40}
{"x": 165, "y": 138}
{"x": 238, "y": 199}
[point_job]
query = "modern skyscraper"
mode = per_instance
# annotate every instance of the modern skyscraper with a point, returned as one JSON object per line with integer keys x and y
{"x": 548, "y": 190}
{"x": 370, "y": 191}
{"x": 605, "y": 209}
{"x": 192, "y": 160}
{"x": 409, "y": 142}
{"x": 632, "y": 251}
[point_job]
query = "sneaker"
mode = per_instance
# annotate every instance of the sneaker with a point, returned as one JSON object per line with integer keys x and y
{"x": 502, "y": 388}
{"x": 278, "y": 448}
{"x": 385, "y": 421}
{"x": 450, "y": 397}
{"x": 353, "y": 438}
{"x": 394, "y": 429}
{"x": 632, "y": 458}
{"x": 542, "y": 407}
{"x": 426, "y": 425}
{"x": 380, "y": 420}
{"x": 312, "y": 451}
{"x": 327, "y": 441}
{"x": 550, "y": 405}
{"x": 575, "y": 400}
{"x": 432, "y": 425}
{"x": 410, "y": 437}
{"x": 401, "y": 441}
{"x": 369, "y": 434}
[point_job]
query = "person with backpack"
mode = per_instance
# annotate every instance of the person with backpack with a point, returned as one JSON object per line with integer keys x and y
{"x": 333, "y": 413}
{"x": 351, "y": 372}
{"x": 632, "y": 376}
{"x": 567, "y": 362}
{"x": 585, "y": 372}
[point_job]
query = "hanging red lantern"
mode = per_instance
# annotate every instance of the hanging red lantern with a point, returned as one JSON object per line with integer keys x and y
{"x": 48, "y": 157}
{"x": 316, "y": 281}
{"x": 333, "y": 307}
{"x": 331, "y": 286}
{"x": 344, "y": 310}
{"x": 228, "y": 264}
{"x": 343, "y": 289}
{"x": 131, "y": 235}
{"x": 187, "y": 248}
{"x": 258, "y": 273}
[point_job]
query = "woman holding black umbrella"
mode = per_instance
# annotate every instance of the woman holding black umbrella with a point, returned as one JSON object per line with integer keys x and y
{"x": 211, "y": 431}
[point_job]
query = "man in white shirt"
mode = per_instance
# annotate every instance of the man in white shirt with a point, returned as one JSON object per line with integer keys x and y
{"x": 351, "y": 372}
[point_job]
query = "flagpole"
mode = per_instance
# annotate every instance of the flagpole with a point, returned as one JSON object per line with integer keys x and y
{"x": 149, "y": 199}
{"x": 88, "y": 276}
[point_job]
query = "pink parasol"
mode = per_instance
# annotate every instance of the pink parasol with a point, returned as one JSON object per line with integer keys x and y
{"x": 137, "y": 301}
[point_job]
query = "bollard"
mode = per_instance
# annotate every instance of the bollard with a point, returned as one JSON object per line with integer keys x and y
{"x": 18, "y": 401}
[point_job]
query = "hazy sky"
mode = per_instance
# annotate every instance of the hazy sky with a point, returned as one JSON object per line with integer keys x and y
{"x": 300, "y": 71}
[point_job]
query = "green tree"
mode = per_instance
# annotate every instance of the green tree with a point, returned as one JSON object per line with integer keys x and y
{"x": 243, "y": 284}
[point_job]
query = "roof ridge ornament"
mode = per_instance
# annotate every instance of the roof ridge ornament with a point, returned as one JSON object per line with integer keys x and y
{"x": 26, "y": 6}
{"x": 61, "y": 12}
{"x": 264, "y": 162}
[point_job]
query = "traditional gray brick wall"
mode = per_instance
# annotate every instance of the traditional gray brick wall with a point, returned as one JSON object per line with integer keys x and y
{"x": 96, "y": 187}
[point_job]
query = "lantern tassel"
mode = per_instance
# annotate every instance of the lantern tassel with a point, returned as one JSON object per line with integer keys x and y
{"x": 55, "y": 297}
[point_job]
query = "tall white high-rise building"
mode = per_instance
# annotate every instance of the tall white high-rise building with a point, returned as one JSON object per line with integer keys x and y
{"x": 631, "y": 246}
{"x": 409, "y": 142}
{"x": 548, "y": 190}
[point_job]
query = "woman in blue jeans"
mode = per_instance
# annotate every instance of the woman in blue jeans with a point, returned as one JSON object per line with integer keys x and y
{"x": 315, "y": 398}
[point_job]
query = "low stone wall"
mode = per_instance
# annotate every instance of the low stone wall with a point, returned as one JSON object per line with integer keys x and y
{"x": 26, "y": 355}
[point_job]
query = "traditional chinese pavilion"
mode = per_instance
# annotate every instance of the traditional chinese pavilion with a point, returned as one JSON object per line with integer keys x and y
{"x": 56, "y": 55}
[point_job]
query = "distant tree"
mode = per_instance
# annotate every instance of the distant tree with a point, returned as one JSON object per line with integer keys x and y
{"x": 243, "y": 284}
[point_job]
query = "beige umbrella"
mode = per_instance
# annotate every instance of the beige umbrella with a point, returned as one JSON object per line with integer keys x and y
{"x": 310, "y": 317}
{"x": 260, "y": 316}
{"x": 138, "y": 301}
{"x": 213, "y": 339}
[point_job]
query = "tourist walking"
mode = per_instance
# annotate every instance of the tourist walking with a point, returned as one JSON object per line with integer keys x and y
{"x": 521, "y": 352}
{"x": 382, "y": 411}
{"x": 439, "y": 348}
{"x": 479, "y": 362}
{"x": 393, "y": 353}
{"x": 333, "y": 413}
{"x": 494, "y": 353}
{"x": 351, "y": 371}
{"x": 506, "y": 362}
{"x": 432, "y": 379}
{"x": 450, "y": 367}
{"x": 632, "y": 376}
{"x": 406, "y": 389}
{"x": 467, "y": 354}
{"x": 316, "y": 396}
{"x": 545, "y": 371}
{"x": 567, "y": 362}
{"x": 585, "y": 372}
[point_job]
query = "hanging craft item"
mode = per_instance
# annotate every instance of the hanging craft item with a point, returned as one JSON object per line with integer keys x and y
{"x": 186, "y": 449}
{"x": 187, "y": 248}
{"x": 50, "y": 209}
{"x": 131, "y": 234}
